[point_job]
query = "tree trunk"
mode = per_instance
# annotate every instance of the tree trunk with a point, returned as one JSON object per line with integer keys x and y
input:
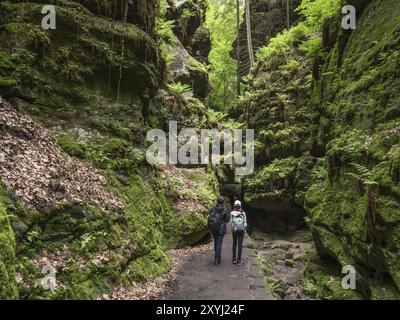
{"x": 288, "y": 13}
{"x": 238, "y": 47}
{"x": 249, "y": 37}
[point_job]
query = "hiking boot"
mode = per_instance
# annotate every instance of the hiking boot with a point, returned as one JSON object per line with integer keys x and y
{"x": 234, "y": 261}
{"x": 239, "y": 263}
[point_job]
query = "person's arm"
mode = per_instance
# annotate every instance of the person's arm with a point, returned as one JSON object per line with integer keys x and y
{"x": 227, "y": 216}
{"x": 245, "y": 219}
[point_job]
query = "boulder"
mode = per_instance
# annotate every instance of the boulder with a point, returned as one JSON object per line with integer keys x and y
{"x": 187, "y": 70}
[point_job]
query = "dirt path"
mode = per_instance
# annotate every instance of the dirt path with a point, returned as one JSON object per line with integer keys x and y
{"x": 272, "y": 269}
{"x": 199, "y": 279}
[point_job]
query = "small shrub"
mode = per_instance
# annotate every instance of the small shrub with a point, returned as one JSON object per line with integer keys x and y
{"x": 70, "y": 146}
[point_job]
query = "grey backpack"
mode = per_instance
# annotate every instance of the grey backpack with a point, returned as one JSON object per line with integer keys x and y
{"x": 238, "y": 222}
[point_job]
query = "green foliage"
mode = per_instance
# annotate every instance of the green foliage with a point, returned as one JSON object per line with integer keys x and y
{"x": 164, "y": 31}
{"x": 145, "y": 214}
{"x": 362, "y": 176}
{"x": 316, "y": 13}
{"x": 395, "y": 163}
{"x": 277, "y": 174}
{"x": 70, "y": 145}
{"x": 343, "y": 151}
{"x": 8, "y": 288}
{"x": 67, "y": 79}
{"x": 221, "y": 21}
{"x": 113, "y": 126}
{"x": 355, "y": 209}
{"x": 114, "y": 154}
{"x": 67, "y": 67}
{"x": 179, "y": 90}
{"x": 323, "y": 281}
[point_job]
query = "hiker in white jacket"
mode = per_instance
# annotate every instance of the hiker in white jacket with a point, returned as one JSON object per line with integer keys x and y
{"x": 238, "y": 227}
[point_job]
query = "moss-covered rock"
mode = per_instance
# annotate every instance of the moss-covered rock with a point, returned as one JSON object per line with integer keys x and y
{"x": 8, "y": 285}
{"x": 70, "y": 146}
{"x": 192, "y": 193}
{"x": 333, "y": 150}
{"x": 187, "y": 16}
{"x": 91, "y": 81}
{"x": 354, "y": 212}
{"x": 324, "y": 281}
{"x": 187, "y": 70}
{"x": 73, "y": 75}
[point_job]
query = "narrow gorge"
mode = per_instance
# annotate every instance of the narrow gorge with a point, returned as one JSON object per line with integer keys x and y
{"x": 76, "y": 103}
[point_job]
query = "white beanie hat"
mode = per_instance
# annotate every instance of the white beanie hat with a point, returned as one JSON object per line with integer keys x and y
{"x": 238, "y": 203}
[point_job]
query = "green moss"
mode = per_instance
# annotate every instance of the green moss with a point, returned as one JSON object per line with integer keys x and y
{"x": 82, "y": 68}
{"x": 383, "y": 291}
{"x": 70, "y": 146}
{"x": 395, "y": 163}
{"x": 186, "y": 228}
{"x": 353, "y": 212}
{"x": 195, "y": 65}
{"x": 88, "y": 289}
{"x": 145, "y": 216}
{"x": 4, "y": 82}
{"x": 322, "y": 281}
{"x": 116, "y": 146}
{"x": 68, "y": 78}
{"x": 8, "y": 287}
{"x": 188, "y": 224}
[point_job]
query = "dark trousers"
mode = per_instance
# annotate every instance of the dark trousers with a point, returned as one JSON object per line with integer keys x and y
{"x": 218, "y": 246}
{"x": 237, "y": 243}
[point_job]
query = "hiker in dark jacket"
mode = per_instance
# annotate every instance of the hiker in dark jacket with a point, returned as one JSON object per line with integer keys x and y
{"x": 219, "y": 217}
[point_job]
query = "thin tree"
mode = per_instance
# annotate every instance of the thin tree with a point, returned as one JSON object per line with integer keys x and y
{"x": 238, "y": 47}
{"x": 249, "y": 38}
{"x": 126, "y": 5}
{"x": 288, "y": 13}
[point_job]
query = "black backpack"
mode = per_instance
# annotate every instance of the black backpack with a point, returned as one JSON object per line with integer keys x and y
{"x": 214, "y": 220}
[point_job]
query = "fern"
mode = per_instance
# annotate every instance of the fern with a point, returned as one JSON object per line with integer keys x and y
{"x": 362, "y": 176}
{"x": 179, "y": 90}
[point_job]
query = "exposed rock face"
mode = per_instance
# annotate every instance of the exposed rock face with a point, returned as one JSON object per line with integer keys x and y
{"x": 187, "y": 70}
{"x": 76, "y": 189}
{"x": 354, "y": 213}
{"x": 138, "y": 12}
{"x": 201, "y": 44}
{"x": 273, "y": 216}
{"x": 268, "y": 18}
{"x": 191, "y": 47}
{"x": 188, "y": 18}
{"x": 334, "y": 150}
{"x": 281, "y": 116}
{"x": 84, "y": 50}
